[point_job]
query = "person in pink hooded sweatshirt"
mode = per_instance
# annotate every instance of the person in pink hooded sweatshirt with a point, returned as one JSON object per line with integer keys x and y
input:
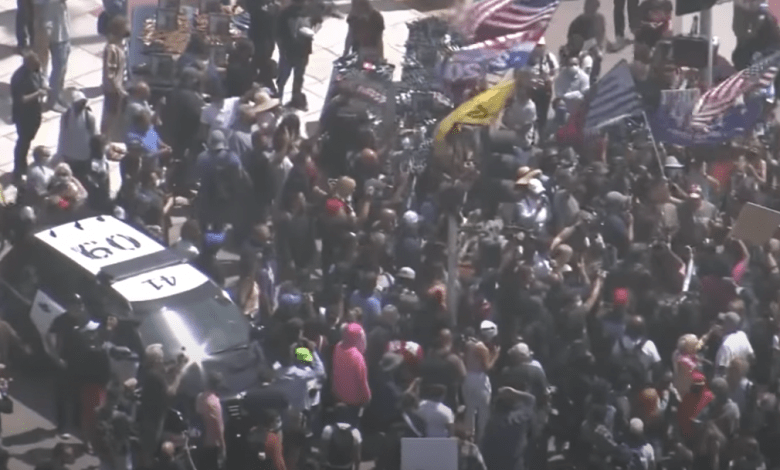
{"x": 350, "y": 375}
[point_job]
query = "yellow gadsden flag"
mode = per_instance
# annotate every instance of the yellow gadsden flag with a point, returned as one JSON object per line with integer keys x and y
{"x": 481, "y": 110}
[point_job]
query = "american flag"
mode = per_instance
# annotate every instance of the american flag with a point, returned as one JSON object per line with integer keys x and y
{"x": 511, "y": 46}
{"x": 728, "y": 93}
{"x": 489, "y": 19}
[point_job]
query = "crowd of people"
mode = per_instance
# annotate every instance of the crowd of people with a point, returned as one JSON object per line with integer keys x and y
{"x": 610, "y": 320}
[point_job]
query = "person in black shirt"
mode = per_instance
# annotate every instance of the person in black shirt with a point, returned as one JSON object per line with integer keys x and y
{"x": 590, "y": 24}
{"x": 443, "y": 367}
{"x": 262, "y": 31}
{"x": 620, "y": 21}
{"x": 63, "y": 340}
{"x": 27, "y": 92}
{"x": 511, "y": 426}
{"x": 294, "y": 36}
{"x": 181, "y": 118}
{"x": 24, "y": 24}
{"x": 241, "y": 71}
{"x": 264, "y": 397}
{"x": 521, "y": 373}
{"x": 299, "y": 180}
{"x": 91, "y": 369}
{"x": 295, "y": 235}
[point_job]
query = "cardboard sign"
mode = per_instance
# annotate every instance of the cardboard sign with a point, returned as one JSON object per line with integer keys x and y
{"x": 429, "y": 453}
{"x": 755, "y": 224}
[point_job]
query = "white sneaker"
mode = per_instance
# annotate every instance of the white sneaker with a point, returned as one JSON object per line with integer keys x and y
{"x": 65, "y": 436}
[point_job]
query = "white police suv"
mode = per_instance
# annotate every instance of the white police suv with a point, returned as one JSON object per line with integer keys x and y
{"x": 153, "y": 291}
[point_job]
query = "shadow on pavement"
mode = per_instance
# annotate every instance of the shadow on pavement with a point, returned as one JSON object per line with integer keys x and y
{"x": 34, "y": 456}
{"x": 5, "y": 102}
{"x": 8, "y": 20}
{"x": 6, "y": 50}
{"x": 39, "y": 455}
{"x": 84, "y": 40}
{"x": 32, "y": 436}
{"x": 35, "y": 391}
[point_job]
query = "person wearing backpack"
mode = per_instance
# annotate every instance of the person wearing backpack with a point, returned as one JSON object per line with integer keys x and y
{"x": 635, "y": 355}
{"x": 641, "y": 453}
{"x": 77, "y": 128}
{"x": 266, "y": 443}
{"x": 341, "y": 444}
{"x": 219, "y": 173}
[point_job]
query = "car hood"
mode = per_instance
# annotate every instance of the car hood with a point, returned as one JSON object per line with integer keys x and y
{"x": 239, "y": 368}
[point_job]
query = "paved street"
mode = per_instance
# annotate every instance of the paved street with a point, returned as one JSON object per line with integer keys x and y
{"x": 28, "y": 432}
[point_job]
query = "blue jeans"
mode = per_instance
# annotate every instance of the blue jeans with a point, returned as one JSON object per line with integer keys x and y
{"x": 60, "y": 51}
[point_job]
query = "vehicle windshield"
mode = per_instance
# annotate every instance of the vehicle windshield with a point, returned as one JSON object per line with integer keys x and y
{"x": 202, "y": 322}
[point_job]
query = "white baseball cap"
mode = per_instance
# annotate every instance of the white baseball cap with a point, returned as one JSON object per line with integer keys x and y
{"x": 489, "y": 329}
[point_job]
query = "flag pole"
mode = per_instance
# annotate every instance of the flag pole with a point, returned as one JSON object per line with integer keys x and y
{"x": 706, "y": 31}
{"x": 655, "y": 145}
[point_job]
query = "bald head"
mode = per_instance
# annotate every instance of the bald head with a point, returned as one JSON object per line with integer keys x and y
{"x": 141, "y": 90}
{"x": 369, "y": 157}
{"x": 444, "y": 338}
{"x": 635, "y": 327}
{"x": 168, "y": 448}
{"x": 387, "y": 214}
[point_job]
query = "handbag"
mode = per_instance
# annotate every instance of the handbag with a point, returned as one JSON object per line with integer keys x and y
{"x": 6, "y": 405}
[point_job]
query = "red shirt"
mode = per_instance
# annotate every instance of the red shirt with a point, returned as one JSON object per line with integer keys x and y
{"x": 210, "y": 410}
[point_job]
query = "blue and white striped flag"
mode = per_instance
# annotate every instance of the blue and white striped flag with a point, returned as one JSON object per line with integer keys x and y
{"x": 614, "y": 97}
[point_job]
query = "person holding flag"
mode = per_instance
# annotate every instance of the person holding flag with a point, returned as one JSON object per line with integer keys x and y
{"x": 482, "y": 110}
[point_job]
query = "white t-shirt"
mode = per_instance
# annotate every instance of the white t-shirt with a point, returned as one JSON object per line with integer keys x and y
{"x": 438, "y": 418}
{"x": 220, "y": 117}
{"x": 520, "y": 117}
{"x": 735, "y": 345}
